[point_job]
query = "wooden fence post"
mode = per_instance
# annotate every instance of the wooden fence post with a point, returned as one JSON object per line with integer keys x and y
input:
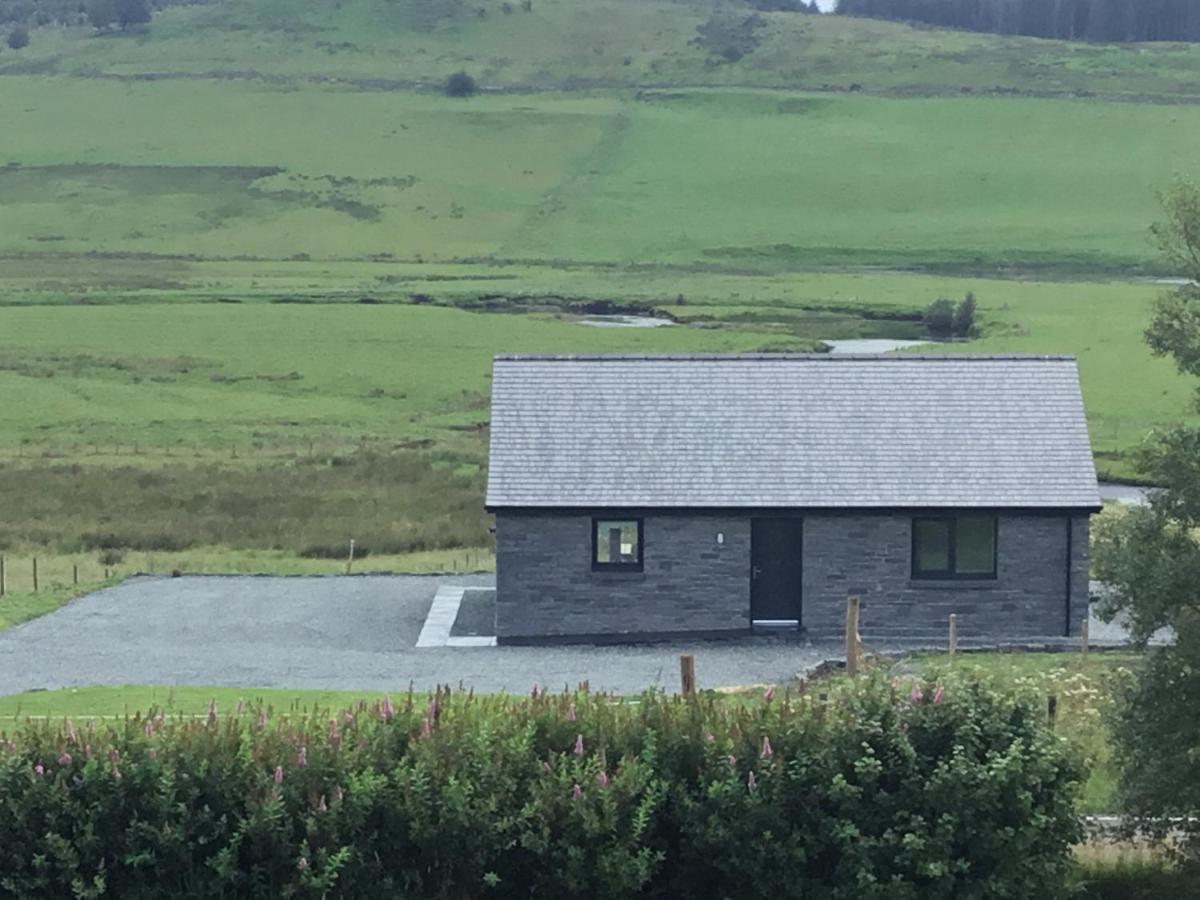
{"x": 953, "y": 633}
{"x": 687, "y": 674}
{"x": 350, "y": 558}
{"x": 75, "y": 573}
{"x": 852, "y": 636}
{"x": 35, "y": 584}
{"x": 1083, "y": 639}
{"x": 2, "y": 585}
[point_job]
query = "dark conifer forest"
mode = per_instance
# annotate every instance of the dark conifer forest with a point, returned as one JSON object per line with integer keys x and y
{"x": 1090, "y": 20}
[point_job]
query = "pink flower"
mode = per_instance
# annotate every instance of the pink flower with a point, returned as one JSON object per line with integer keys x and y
{"x": 732, "y": 760}
{"x": 767, "y": 753}
{"x": 571, "y": 712}
{"x": 212, "y": 712}
{"x": 262, "y": 718}
{"x": 279, "y": 774}
{"x": 433, "y": 710}
{"x": 39, "y": 770}
{"x": 386, "y": 710}
{"x": 425, "y": 728}
{"x": 916, "y": 693}
{"x": 238, "y": 709}
{"x": 65, "y": 759}
{"x": 769, "y": 695}
{"x": 302, "y": 758}
{"x": 348, "y": 719}
{"x": 114, "y": 755}
{"x": 149, "y": 728}
{"x": 709, "y": 737}
{"x": 579, "y": 745}
{"x": 602, "y": 779}
{"x": 576, "y": 792}
{"x": 751, "y": 782}
{"x": 533, "y": 694}
{"x": 321, "y": 807}
{"x": 70, "y": 731}
{"x": 937, "y": 696}
{"x": 152, "y": 754}
{"x": 895, "y": 682}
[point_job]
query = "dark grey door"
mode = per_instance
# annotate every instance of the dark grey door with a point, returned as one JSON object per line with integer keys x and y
{"x": 775, "y": 558}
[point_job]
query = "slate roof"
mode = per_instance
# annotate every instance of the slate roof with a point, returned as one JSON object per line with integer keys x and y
{"x": 773, "y": 430}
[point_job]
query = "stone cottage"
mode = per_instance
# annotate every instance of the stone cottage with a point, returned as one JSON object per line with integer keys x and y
{"x": 648, "y": 496}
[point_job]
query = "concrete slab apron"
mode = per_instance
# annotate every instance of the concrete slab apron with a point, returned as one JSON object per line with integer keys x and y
{"x": 442, "y": 614}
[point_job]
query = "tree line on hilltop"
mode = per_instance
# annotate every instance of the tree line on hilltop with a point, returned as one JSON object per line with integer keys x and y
{"x": 1091, "y": 20}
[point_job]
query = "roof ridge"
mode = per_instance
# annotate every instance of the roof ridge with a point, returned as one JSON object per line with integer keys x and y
{"x": 784, "y": 357}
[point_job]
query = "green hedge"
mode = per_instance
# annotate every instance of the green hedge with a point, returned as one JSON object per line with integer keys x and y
{"x": 872, "y": 790}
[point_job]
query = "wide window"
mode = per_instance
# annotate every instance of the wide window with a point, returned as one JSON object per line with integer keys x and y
{"x": 954, "y": 547}
{"x": 617, "y": 544}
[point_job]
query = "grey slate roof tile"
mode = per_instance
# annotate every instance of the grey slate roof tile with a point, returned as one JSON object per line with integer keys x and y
{"x": 805, "y": 430}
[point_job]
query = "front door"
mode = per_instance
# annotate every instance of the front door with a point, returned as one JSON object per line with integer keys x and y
{"x": 775, "y": 558}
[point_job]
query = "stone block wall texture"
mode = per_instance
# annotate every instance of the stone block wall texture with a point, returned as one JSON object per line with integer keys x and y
{"x": 871, "y": 556}
{"x": 545, "y": 585}
{"x": 546, "y": 589}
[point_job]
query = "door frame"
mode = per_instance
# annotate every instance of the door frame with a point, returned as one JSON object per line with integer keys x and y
{"x": 798, "y": 622}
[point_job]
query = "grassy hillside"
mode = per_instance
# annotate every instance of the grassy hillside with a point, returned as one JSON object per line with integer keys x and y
{"x": 599, "y": 43}
{"x": 727, "y": 179}
{"x": 232, "y": 243}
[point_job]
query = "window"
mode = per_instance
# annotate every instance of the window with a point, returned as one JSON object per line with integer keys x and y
{"x": 954, "y": 547}
{"x": 617, "y": 544}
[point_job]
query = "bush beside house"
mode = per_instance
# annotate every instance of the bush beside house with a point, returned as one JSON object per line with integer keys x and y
{"x": 876, "y": 789}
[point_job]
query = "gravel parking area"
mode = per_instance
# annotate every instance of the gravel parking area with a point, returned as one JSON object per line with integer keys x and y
{"x": 352, "y": 633}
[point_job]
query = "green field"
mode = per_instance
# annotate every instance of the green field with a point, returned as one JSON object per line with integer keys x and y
{"x": 253, "y": 264}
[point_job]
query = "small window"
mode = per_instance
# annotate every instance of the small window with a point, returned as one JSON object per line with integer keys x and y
{"x": 954, "y": 547}
{"x": 617, "y": 544}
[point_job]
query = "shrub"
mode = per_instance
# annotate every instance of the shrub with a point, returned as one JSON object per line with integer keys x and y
{"x": 964, "y": 317}
{"x": 870, "y": 791}
{"x": 110, "y": 556}
{"x": 460, "y": 84}
{"x": 18, "y": 38}
{"x": 943, "y": 319}
{"x": 939, "y": 317}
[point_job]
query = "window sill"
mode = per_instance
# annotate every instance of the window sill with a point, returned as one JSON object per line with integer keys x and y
{"x": 953, "y": 584}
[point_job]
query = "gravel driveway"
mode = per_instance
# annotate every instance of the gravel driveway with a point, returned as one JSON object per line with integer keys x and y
{"x": 353, "y": 633}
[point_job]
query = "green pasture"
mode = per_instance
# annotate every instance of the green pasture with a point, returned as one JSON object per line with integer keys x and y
{"x": 718, "y": 180}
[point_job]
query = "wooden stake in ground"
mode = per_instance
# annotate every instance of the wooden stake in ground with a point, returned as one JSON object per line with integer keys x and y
{"x": 74, "y": 573}
{"x": 687, "y": 674}
{"x": 350, "y": 558}
{"x": 2, "y": 586}
{"x": 953, "y": 633}
{"x": 35, "y": 575}
{"x": 1083, "y": 639}
{"x": 852, "y": 640}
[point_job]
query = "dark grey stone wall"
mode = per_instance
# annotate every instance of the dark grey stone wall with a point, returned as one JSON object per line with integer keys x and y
{"x": 871, "y": 556}
{"x": 546, "y": 587}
